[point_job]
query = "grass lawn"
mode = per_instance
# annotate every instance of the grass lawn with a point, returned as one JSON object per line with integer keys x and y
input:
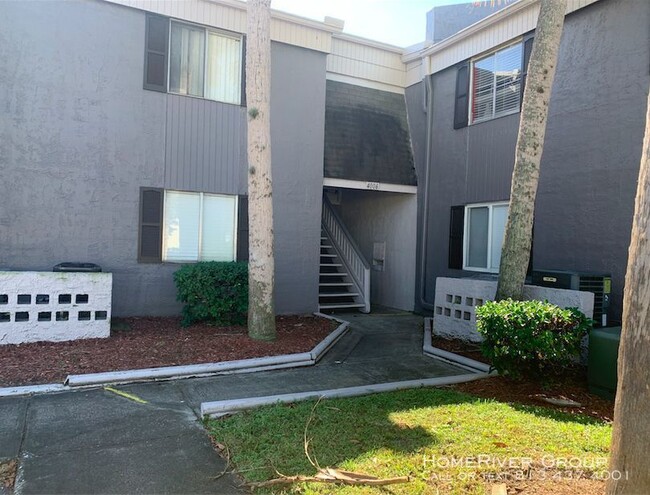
{"x": 419, "y": 433}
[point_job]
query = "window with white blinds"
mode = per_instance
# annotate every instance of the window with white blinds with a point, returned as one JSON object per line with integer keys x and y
{"x": 205, "y": 63}
{"x": 199, "y": 227}
{"x": 223, "y": 78}
{"x": 485, "y": 226}
{"x": 496, "y": 84}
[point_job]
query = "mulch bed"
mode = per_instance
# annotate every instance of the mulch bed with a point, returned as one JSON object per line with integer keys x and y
{"x": 571, "y": 386}
{"x": 152, "y": 342}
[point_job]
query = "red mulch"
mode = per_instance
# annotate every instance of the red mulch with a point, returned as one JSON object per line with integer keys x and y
{"x": 152, "y": 342}
{"x": 572, "y": 386}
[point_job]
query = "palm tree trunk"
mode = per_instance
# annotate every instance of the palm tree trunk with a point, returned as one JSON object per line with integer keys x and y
{"x": 515, "y": 254}
{"x": 261, "y": 265}
{"x": 629, "y": 458}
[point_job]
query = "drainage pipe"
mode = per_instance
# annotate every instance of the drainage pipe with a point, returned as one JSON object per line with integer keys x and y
{"x": 425, "y": 207}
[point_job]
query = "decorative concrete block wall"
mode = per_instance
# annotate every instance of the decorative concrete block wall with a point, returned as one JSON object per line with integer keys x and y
{"x": 457, "y": 298}
{"x": 52, "y": 306}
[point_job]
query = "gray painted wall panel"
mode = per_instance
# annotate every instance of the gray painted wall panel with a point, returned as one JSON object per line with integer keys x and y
{"x": 79, "y": 137}
{"x": 417, "y": 122}
{"x": 591, "y": 155}
{"x": 593, "y": 142}
{"x": 373, "y": 216}
{"x": 297, "y": 136}
{"x": 203, "y": 149}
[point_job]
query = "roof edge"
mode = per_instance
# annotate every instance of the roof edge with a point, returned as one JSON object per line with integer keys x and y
{"x": 513, "y": 8}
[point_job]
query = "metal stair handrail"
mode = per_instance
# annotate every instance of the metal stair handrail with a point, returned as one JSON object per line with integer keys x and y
{"x": 350, "y": 254}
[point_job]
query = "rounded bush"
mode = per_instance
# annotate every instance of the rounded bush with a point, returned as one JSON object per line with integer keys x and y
{"x": 213, "y": 291}
{"x": 530, "y": 337}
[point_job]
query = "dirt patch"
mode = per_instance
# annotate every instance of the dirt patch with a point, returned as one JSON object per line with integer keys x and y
{"x": 556, "y": 487}
{"x": 152, "y": 342}
{"x": 8, "y": 474}
{"x": 460, "y": 347}
{"x": 570, "y": 387}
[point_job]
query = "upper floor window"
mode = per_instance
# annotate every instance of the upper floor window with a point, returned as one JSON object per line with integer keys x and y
{"x": 192, "y": 60}
{"x": 496, "y": 84}
{"x": 204, "y": 63}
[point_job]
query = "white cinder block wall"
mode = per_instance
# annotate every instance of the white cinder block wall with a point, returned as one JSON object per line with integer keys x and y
{"x": 54, "y": 306}
{"x": 457, "y": 298}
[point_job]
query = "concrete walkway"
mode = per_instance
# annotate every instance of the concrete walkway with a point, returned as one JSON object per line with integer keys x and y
{"x": 94, "y": 441}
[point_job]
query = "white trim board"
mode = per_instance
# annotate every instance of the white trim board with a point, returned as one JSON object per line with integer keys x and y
{"x": 369, "y": 186}
{"x": 364, "y": 83}
{"x": 514, "y": 20}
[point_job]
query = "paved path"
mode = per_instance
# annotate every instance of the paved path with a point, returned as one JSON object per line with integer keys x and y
{"x": 94, "y": 441}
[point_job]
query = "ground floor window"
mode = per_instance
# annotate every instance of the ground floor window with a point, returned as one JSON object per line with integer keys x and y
{"x": 483, "y": 236}
{"x": 179, "y": 226}
{"x": 199, "y": 227}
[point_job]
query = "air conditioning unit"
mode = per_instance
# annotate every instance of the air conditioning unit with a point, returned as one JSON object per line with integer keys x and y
{"x": 598, "y": 283}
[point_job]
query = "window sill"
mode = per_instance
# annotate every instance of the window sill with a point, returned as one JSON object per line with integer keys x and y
{"x": 481, "y": 270}
{"x": 472, "y": 124}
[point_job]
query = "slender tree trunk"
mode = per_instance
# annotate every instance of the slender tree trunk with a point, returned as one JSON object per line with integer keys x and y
{"x": 261, "y": 265}
{"x": 515, "y": 254}
{"x": 631, "y": 437}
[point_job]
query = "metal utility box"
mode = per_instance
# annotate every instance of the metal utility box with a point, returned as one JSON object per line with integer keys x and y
{"x": 602, "y": 365}
{"x": 598, "y": 283}
{"x": 77, "y": 267}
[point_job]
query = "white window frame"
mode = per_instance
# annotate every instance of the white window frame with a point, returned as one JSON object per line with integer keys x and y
{"x": 490, "y": 207}
{"x": 200, "y": 237}
{"x": 206, "y": 31}
{"x": 470, "y": 118}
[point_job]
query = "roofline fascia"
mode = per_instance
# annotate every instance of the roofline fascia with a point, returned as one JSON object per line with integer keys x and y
{"x": 368, "y": 42}
{"x": 284, "y": 16}
{"x": 469, "y": 30}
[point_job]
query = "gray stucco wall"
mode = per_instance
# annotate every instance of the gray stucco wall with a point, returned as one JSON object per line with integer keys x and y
{"x": 79, "y": 137}
{"x": 297, "y": 128}
{"x": 591, "y": 154}
{"x": 373, "y": 216}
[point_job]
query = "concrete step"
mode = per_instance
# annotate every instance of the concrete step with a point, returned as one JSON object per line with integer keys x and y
{"x": 336, "y": 284}
{"x": 333, "y": 265}
{"x": 338, "y": 294}
{"x": 329, "y": 255}
{"x": 325, "y": 246}
{"x": 341, "y": 306}
{"x": 334, "y": 274}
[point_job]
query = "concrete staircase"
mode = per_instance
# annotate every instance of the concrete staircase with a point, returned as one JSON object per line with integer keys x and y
{"x": 336, "y": 289}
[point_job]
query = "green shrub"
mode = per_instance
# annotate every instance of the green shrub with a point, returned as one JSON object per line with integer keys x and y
{"x": 530, "y": 337}
{"x": 213, "y": 291}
